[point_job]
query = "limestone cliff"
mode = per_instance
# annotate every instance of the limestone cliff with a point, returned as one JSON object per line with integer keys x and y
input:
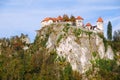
{"x": 78, "y": 46}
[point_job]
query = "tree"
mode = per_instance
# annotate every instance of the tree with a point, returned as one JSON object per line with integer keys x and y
{"x": 72, "y": 19}
{"x": 109, "y": 31}
{"x": 65, "y": 17}
{"x": 116, "y": 35}
{"x": 116, "y": 41}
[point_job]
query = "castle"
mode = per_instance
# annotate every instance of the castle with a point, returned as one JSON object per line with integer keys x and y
{"x": 79, "y": 23}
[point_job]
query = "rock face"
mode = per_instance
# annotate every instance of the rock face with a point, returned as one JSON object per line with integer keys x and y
{"x": 77, "y": 54}
{"x": 76, "y": 45}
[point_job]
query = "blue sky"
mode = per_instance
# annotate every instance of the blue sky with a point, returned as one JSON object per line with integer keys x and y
{"x": 24, "y": 16}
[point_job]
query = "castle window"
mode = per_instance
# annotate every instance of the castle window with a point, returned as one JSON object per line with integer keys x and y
{"x": 79, "y": 21}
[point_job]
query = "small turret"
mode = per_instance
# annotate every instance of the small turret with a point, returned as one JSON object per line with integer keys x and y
{"x": 100, "y": 24}
{"x": 88, "y": 26}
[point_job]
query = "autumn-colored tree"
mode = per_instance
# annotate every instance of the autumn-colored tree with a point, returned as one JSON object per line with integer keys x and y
{"x": 65, "y": 17}
{"x": 72, "y": 19}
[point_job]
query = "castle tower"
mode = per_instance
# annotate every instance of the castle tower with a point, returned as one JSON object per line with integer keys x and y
{"x": 79, "y": 21}
{"x": 100, "y": 24}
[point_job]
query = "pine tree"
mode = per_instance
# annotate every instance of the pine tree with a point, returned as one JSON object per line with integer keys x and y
{"x": 109, "y": 31}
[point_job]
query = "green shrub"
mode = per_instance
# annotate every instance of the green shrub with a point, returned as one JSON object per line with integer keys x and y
{"x": 67, "y": 72}
{"x": 66, "y": 28}
{"x": 43, "y": 41}
{"x": 59, "y": 38}
{"x": 77, "y": 32}
{"x": 104, "y": 69}
{"x": 104, "y": 41}
{"x": 100, "y": 35}
{"x": 94, "y": 54}
{"x": 115, "y": 46}
{"x": 67, "y": 24}
{"x": 53, "y": 52}
{"x": 104, "y": 64}
{"x": 61, "y": 59}
{"x": 88, "y": 33}
{"x": 51, "y": 58}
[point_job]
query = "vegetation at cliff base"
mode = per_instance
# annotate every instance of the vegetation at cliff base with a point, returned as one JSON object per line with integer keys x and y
{"x": 20, "y": 60}
{"x": 104, "y": 69}
{"x": 35, "y": 63}
{"x": 116, "y": 41}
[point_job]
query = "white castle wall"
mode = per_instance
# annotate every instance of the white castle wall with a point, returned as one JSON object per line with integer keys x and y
{"x": 79, "y": 23}
{"x": 100, "y": 25}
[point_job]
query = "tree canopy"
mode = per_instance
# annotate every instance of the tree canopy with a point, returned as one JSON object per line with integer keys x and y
{"x": 65, "y": 17}
{"x": 116, "y": 35}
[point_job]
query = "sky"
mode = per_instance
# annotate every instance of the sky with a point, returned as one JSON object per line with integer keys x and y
{"x": 24, "y": 16}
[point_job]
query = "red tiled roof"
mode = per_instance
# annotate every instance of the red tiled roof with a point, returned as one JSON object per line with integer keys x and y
{"x": 47, "y": 19}
{"x": 100, "y": 19}
{"x": 54, "y": 19}
{"x": 88, "y": 24}
{"x": 79, "y": 18}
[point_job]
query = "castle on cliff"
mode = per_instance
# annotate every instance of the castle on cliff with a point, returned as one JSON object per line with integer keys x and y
{"x": 79, "y": 23}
